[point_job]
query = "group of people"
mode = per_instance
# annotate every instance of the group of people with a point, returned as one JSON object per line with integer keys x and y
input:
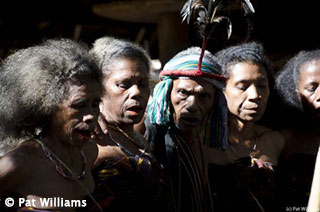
{"x": 69, "y": 116}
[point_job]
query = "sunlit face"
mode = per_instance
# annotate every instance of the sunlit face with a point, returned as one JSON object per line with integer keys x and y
{"x": 126, "y": 91}
{"x": 309, "y": 87}
{"x": 247, "y": 91}
{"x": 191, "y": 100}
{"x": 76, "y": 118}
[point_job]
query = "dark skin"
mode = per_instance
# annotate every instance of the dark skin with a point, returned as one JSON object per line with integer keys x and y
{"x": 247, "y": 94}
{"x": 192, "y": 100}
{"x": 306, "y": 140}
{"x": 123, "y": 105}
{"x": 27, "y": 171}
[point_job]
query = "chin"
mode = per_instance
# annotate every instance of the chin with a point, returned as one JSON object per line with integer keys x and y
{"x": 134, "y": 119}
{"x": 187, "y": 127}
{"x": 77, "y": 142}
{"x": 252, "y": 119}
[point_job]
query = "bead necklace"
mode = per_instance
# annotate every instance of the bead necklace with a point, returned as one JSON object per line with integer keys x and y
{"x": 251, "y": 150}
{"x": 116, "y": 127}
{"x": 143, "y": 151}
{"x": 60, "y": 165}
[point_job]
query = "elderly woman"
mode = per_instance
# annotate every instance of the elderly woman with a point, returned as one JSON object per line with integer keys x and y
{"x": 125, "y": 172}
{"x": 250, "y": 145}
{"x": 298, "y": 85}
{"x": 49, "y": 104}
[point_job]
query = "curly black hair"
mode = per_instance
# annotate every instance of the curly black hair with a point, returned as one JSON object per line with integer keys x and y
{"x": 287, "y": 79}
{"x": 246, "y": 52}
{"x": 35, "y": 80}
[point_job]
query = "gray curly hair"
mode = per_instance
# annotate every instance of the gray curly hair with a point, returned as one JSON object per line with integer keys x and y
{"x": 107, "y": 49}
{"x": 34, "y": 81}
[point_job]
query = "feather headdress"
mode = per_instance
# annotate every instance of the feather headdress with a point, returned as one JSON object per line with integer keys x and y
{"x": 204, "y": 13}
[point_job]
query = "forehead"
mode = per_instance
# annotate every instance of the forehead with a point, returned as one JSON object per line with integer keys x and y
{"x": 127, "y": 67}
{"x": 89, "y": 87}
{"x": 310, "y": 70}
{"x": 247, "y": 71}
{"x": 193, "y": 84}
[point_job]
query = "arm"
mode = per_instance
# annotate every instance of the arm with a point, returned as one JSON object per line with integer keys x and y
{"x": 13, "y": 172}
{"x": 91, "y": 151}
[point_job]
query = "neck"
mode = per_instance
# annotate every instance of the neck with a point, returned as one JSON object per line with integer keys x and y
{"x": 195, "y": 135}
{"x": 127, "y": 128}
{"x": 68, "y": 153}
{"x": 239, "y": 130}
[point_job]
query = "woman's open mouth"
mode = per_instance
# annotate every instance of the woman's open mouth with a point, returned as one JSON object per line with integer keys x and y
{"x": 83, "y": 134}
{"x": 135, "y": 110}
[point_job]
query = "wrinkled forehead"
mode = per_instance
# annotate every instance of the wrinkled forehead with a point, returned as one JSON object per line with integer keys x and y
{"x": 199, "y": 83}
{"x": 204, "y": 80}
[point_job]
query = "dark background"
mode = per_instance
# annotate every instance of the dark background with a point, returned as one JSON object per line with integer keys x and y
{"x": 284, "y": 27}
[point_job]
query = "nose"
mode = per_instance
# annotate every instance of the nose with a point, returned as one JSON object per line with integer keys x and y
{"x": 135, "y": 91}
{"x": 91, "y": 114}
{"x": 192, "y": 103}
{"x": 317, "y": 99}
{"x": 253, "y": 93}
{"x": 89, "y": 117}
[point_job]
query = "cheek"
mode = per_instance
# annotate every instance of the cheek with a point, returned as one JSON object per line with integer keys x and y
{"x": 113, "y": 100}
{"x": 307, "y": 100}
{"x": 145, "y": 95}
{"x": 65, "y": 127}
{"x": 234, "y": 100}
{"x": 177, "y": 104}
{"x": 206, "y": 106}
{"x": 265, "y": 94}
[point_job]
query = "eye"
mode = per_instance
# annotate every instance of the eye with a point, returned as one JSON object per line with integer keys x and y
{"x": 183, "y": 92}
{"x": 78, "y": 104}
{"x": 243, "y": 88}
{"x": 311, "y": 89}
{"x": 123, "y": 85}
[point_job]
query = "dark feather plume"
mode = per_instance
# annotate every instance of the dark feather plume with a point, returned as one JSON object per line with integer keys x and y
{"x": 205, "y": 14}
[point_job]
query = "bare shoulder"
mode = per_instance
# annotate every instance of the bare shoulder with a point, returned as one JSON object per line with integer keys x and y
{"x": 271, "y": 136}
{"x": 16, "y": 166}
{"x": 270, "y": 144}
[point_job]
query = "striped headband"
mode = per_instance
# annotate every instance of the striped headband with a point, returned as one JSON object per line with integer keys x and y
{"x": 188, "y": 65}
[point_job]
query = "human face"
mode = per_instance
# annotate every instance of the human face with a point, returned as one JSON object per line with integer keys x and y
{"x": 191, "y": 100}
{"x": 126, "y": 91}
{"x": 76, "y": 118}
{"x": 309, "y": 87}
{"x": 247, "y": 91}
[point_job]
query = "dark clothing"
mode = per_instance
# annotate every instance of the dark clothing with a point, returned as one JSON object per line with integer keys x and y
{"x": 128, "y": 184}
{"x": 241, "y": 187}
{"x": 182, "y": 177}
{"x": 294, "y": 179}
